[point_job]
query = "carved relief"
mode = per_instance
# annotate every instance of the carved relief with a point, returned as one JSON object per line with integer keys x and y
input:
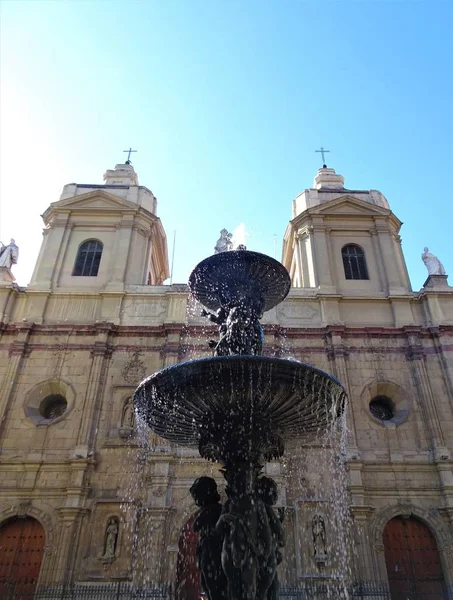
{"x": 293, "y": 310}
{"x": 134, "y": 370}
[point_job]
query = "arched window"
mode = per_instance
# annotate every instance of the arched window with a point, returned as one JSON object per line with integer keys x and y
{"x": 354, "y": 262}
{"x": 88, "y": 259}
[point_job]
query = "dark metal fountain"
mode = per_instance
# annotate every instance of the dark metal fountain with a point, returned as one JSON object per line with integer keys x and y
{"x": 238, "y": 408}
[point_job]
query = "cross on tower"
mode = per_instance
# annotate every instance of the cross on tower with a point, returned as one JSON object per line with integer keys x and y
{"x": 322, "y": 151}
{"x": 129, "y": 155}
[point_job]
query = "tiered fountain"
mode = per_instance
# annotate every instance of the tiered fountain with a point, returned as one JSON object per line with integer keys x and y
{"x": 238, "y": 408}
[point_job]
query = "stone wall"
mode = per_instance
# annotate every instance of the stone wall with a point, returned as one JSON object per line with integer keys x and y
{"x": 85, "y": 467}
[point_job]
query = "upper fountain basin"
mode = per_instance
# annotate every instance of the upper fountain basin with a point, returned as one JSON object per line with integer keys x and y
{"x": 239, "y": 277}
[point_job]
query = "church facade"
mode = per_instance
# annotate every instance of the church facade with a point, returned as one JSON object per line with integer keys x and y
{"x": 92, "y": 508}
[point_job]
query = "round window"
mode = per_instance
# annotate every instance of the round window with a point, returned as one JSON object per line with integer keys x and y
{"x": 53, "y": 407}
{"x": 382, "y": 408}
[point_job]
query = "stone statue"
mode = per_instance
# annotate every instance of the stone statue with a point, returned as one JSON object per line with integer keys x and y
{"x": 432, "y": 263}
{"x": 209, "y": 548}
{"x": 224, "y": 243}
{"x": 8, "y": 254}
{"x": 128, "y": 416}
{"x": 110, "y": 538}
{"x": 318, "y": 529}
{"x": 268, "y": 585}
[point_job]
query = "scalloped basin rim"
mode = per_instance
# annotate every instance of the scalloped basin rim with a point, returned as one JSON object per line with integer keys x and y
{"x": 290, "y": 398}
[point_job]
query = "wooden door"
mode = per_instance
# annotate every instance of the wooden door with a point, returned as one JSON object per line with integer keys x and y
{"x": 188, "y": 581}
{"x": 413, "y": 562}
{"x": 21, "y": 551}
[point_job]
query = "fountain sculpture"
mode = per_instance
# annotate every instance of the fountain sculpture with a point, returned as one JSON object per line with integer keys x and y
{"x": 238, "y": 408}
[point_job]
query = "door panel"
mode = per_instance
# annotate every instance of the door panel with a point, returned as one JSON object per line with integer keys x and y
{"x": 413, "y": 562}
{"x": 21, "y": 551}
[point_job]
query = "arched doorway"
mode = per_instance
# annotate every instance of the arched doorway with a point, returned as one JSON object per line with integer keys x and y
{"x": 413, "y": 562}
{"x": 188, "y": 581}
{"x": 21, "y": 551}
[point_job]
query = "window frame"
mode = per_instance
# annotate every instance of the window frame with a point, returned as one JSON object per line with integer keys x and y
{"x": 90, "y": 257}
{"x": 354, "y": 263}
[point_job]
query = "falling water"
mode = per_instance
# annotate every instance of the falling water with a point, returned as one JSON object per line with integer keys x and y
{"x": 239, "y": 236}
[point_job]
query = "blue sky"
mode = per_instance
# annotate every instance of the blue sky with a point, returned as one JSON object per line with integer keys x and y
{"x": 226, "y": 103}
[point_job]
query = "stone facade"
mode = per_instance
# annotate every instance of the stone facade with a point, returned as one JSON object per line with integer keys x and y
{"x": 90, "y": 340}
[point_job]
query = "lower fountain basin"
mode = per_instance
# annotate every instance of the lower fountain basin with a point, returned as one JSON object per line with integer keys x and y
{"x": 239, "y": 404}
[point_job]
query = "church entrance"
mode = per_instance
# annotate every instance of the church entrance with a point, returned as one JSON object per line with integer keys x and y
{"x": 188, "y": 581}
{"x": 413, "y": 562}
{"x": 21, "y": 552}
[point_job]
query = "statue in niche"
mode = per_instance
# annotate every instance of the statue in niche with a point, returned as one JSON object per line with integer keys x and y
{"x": 318, "y": 529}
{"x": 111, "y": 538}
{"x": 268, "y": 584}
{"x": 127, "y": 419}
{"x": 432, "y": 263}
{"x": 224, "y": 243}
{"x": 8, "y": 254}
{"x": 209, "y": 548}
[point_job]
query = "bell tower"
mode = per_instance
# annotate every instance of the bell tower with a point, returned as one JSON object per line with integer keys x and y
{"x": 344, "y": 242}
{"x": 102, "y": 237}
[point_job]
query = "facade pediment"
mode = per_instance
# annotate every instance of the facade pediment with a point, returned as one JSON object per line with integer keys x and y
{"x": 94, "y": 200}
{"x": 349, "y": 205}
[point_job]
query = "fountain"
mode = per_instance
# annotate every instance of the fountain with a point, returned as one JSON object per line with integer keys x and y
{"x": 238, "y": 408}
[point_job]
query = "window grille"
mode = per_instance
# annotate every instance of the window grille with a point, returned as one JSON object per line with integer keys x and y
{"x": 88, "y": 259}
{"x": 354, "y": 262}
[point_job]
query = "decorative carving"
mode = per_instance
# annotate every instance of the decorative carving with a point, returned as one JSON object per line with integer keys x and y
{"x": 23, "y": 508}
{"x": 134, "y": 370}
{"x": 110, "y": 539}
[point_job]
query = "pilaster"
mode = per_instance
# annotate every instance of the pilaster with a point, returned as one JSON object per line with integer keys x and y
{"x": 416, "y": 356}
{"x": 388, "y": 252}
{"x": 101, "y": 353}
{"x": 68, "y": 542}
{"x": 19, "y": 350}
{"x": 322, "y": 256}
{"x": 363, "y": 552}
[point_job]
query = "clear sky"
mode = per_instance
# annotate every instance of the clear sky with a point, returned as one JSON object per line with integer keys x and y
{"x": 226, "y": 102}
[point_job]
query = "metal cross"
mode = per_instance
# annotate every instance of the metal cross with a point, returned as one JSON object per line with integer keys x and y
{"x": 322, "y": 154}
{"x": 129, "y": 155}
